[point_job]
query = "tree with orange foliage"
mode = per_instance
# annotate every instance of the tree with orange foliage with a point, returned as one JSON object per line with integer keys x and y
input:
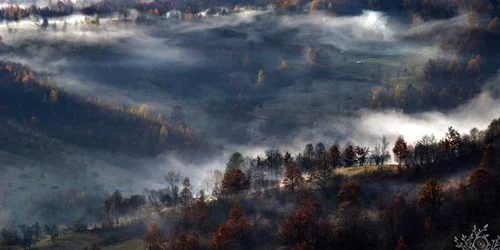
{"x": 483, "y": 193}
{"x": 301, "y": 228}
{"x": 429, "y": 197}
{"x": 400, "y": 150}
{"x": 479, "y": 183}
{"x": 349, "y": 200}
{"x": 236, "y": 232}
{"x": 474, "y": 65}
{"x": 234, "y": 182}
{"x": 489, "y": 160}
{"x": 324, "y": 169}
{"x": 493, "y": 25}
{"x": 292, "y": 178}
{"x": 314, "y": 4}
{"x": 199, "y": 215}
{"x": 350, "y": 192}
{"x": 184, "y": 241}
{"x": 154, "y": 237}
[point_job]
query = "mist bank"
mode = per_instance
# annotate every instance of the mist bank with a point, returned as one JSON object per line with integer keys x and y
{"x": 171, "y": 62}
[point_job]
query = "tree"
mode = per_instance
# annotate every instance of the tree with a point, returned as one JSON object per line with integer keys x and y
{"x": 173, "y": 179}
{"x": 313, "y": 177}
{"x": 393, "y": 216}
{"x": 107, "y": 206}
{"x": 453, "y": 137}
{"x": 163, "y": 133}
{"x": 324, "y": 169}
{"x": 489, "y": 160}
{"x": 306, "y": 159}
{"x": 154, "y": 237}
{"x": 318, "y": 149}
{"x": 400, "y": 150}
{"x": 303, "y": 228}
{"x": 186, "y": 196}
{"x": 384, "y": 148}
{"x": 482, "y": 193}
{"x": 274, "y": 161}
{"x": 309, "y": 151}
{"x": 37, "y": 231}
{"x": 260, "y": 77}
{"x": 429, "y": 198}
{"x": 474, "y": 65}
{"x": 293, "y": 178}
{"x": 349, "y": 155}
{"x": 350, "y": 192}
{"x": 479, "y": 182}
{"x": 184, "y": 241}
{"x": 288, "y": 159}
{"x": 9, "y": 237}
{"x": 200, "y": 215}
{"x": 117, "y": 205}
{"x": 52, "y": 231}
{"x": 236, "y": 161}
{"x": 234, "y": 182}
{"x": 259, "y": 180}
{"x": 236, "y": 232}
{"x": 493, "y": 25}
{"x": 335, "y": 155}
{"x": 28, "y": 236}
{"x": 361, "y": 154}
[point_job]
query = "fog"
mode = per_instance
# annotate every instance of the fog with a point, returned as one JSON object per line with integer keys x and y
{"x": 215, "y": 59}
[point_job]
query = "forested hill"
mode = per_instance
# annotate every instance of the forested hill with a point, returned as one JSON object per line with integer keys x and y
{"x": 37, "y": 102}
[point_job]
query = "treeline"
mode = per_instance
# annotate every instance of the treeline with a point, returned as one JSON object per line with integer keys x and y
{"x": 89, "y": 122}
{"x": 314, "y": 208}
{"x": 464, "y": 62}
{"x": 355, "y": 221}
{"x": 345, "y": 215}
{"x": 28, "y": 235}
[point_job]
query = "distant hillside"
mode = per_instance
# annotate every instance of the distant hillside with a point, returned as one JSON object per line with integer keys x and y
{"x": 60, "y": 114}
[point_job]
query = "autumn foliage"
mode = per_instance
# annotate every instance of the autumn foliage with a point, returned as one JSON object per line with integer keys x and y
{"x": 300, "y": 231}
{"x": 292, "y": 178}
{"x": 430, "y": 196}
{"x": 236, "y": 232}
{"x": 400, "y": 150}
{"x": 350, "y": 192}
{"x": 154, "y": 237}
{"x": 184, "y": 241}
{"x": 234, "y": 182}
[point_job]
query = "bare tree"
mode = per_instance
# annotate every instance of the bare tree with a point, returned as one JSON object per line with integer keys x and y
{"x": 173, "y": 179}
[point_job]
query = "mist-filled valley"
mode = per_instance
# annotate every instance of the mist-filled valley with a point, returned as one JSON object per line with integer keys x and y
{"x": 249, "y": 125}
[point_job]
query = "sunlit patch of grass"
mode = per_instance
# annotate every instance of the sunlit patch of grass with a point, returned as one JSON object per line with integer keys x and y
{"x": 368, "y": 169}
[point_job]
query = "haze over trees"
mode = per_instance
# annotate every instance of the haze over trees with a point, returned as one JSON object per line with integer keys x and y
{"x": 177, "y": 84}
